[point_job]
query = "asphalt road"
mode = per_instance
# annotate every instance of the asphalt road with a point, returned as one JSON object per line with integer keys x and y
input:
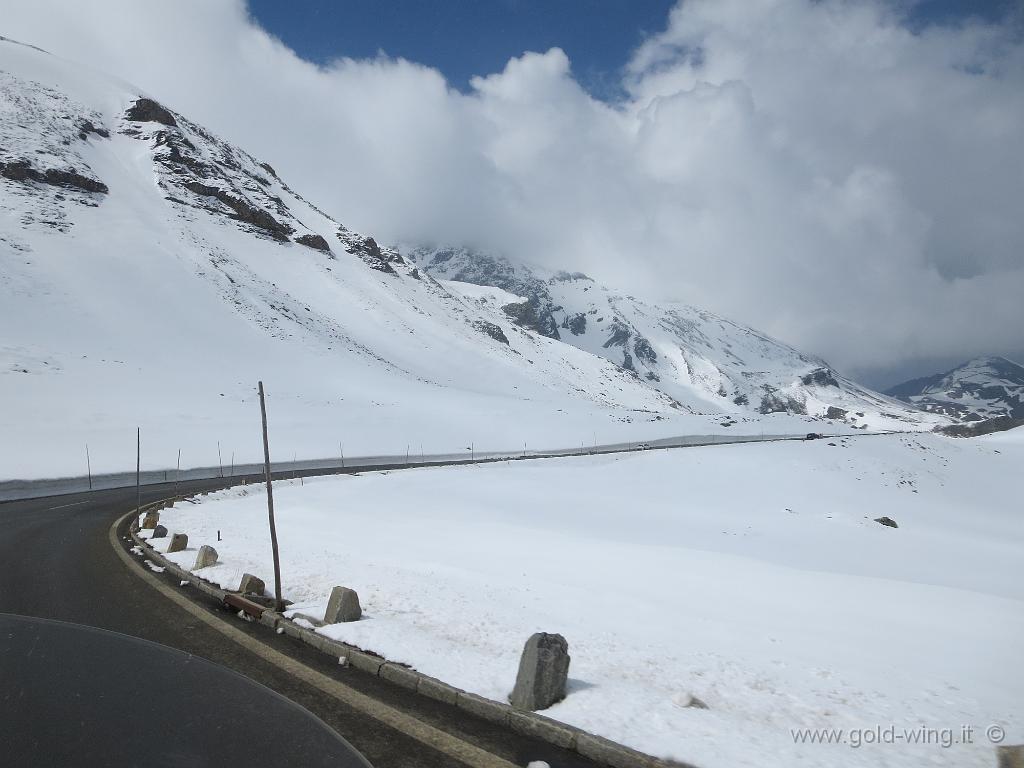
{"x": 57, "y": 562}
{"x": 24, "y": 489}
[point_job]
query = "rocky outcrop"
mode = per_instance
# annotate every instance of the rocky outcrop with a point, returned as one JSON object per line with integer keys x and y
{"x": 242, "y": 210}
{"x": 535, "y": 314}
{"x": 22, "y": 170}
{"x": 773, "y": 402}
{"x": 644, "y": 351}
{"x": 373, "y": 255}
{"x": 316, "y": 242}
{"x": 148, "y": 111}
{"x": 492, "y": 330}
{"x": 530, "y": 314}
{"x": 575, "y": 324}
{"x": 821, "y": 377}
{"x": 86, "y": 128}
{"x": 620, "y": 335}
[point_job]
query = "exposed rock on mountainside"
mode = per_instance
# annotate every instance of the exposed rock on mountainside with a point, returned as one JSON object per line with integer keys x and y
{"x": 21, "y": 170}
{"x": 316, "y": 242}
{"x": 146, "y": 111}
{"x": 467, "y": 266}
{"x": 704, "y": 362}
{"x": 980, "y": 389}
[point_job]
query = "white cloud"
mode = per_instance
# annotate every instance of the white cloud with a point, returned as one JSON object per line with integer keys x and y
{"x": 812, "y": 168}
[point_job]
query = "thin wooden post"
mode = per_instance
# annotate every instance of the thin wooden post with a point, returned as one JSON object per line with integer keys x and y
{"x": 138, "y": 470}
{"x": 88, "y": 465}
{"x": 177, "y": 473}
{"x": 232, "y": 473}
{"x": 220, "y": 461}
{"x": 341, "y": 447}
{"x": 278, "y": 602}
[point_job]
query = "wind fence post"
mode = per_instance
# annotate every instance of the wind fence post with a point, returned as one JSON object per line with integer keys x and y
{"x": 278, "y": 602}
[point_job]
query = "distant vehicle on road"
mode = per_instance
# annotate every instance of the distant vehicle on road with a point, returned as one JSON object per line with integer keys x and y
{"x": 814, "y": 436}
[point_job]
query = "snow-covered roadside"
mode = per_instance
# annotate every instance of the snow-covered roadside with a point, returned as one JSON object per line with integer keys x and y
{"x": 751, "y": 576}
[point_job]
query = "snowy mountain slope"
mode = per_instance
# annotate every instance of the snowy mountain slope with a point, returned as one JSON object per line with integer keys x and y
{"x": 983, "y": 388}
{"x": 702, "y": 361}
{"x": 151, "y": 272}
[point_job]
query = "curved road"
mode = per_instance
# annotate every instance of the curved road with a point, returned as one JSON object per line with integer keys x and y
{"x": 58, "y": 563}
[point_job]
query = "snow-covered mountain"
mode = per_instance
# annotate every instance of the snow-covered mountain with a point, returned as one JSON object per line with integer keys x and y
{"x": 151, "y": 272}
{"x": 704, "y": 362}
{"x": 980, "y": 389}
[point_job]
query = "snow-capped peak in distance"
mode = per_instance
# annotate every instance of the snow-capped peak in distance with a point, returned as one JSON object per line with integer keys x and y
{"x": 706, "y": 363}
{"x": 153, "y": 271}
{"x": 980, "y": 389}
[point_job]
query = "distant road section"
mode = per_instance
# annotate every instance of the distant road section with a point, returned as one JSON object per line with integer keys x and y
{"x": 11, "y": 490}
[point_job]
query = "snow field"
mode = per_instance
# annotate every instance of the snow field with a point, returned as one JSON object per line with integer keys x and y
{"x": 750, "y": 576}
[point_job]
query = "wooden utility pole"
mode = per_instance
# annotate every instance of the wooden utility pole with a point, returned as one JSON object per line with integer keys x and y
{"x": 177, "y": 473}
{"x": 220, "y": 461}
{"x": 88, "y": 465}
{"x": 138, "y": 470}
{"x": 278, "y": 602}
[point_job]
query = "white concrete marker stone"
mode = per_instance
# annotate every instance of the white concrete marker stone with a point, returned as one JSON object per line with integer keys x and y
{"x": 207, "y": 556}
{"x": 252, "y": 585}
{"x": 343, "y": 606}
{"x": 178, "y": 542}
{"x": 150, "y": 520}
{"x": 543, "y": 672}
{"x": 159, "y": 532}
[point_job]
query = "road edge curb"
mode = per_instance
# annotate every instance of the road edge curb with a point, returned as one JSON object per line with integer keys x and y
{"x": 525, "y": 723}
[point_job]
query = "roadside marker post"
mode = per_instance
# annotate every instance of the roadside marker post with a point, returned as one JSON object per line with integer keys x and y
{"x": 138, "y": 470}
{"x": 278, "y": 601}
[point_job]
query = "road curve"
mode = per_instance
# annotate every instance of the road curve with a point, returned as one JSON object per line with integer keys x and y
{"x": 58, "y": 563}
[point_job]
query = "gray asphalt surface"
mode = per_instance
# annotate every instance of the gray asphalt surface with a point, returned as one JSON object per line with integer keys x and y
{"x": 83, "y": 684}
{"x": 56, "y": 562}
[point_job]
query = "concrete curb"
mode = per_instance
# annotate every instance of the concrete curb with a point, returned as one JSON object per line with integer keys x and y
{"x": 525, "y": 723}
